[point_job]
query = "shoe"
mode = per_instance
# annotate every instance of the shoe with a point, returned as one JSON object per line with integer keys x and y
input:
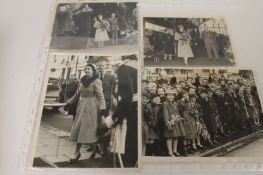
{"x": 171, "y": 155}
{"x": 92, "y": 156}
{"x": 177, "y": 154}
{"x": 194, "y": 147}
{"x": 200, "y": 146}
{"x": 75, "y": 159}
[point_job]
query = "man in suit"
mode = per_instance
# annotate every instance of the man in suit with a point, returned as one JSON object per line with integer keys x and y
{"x": 209, "y": 38}
{"x": 108, "y": 84}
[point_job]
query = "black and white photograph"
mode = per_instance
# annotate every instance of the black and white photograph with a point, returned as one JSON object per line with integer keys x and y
{"x": 104, "y": 26}
{"x": 186, "y": 42}
{"x": 201, "y": 113}
{"x": 88, "y": 113}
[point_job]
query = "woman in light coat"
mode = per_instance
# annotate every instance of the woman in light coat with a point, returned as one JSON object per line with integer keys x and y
{"x": 184, "y": 49}
{"x": 91, "y": 107}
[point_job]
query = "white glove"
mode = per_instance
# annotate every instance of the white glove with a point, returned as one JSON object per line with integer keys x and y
{"x": 109, "y": 122}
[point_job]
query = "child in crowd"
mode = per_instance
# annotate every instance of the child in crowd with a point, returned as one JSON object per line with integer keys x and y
{"x": 174, "y": 127}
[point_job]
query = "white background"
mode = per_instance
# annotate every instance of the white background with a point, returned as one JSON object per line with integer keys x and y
{"x": 22, "y": 24}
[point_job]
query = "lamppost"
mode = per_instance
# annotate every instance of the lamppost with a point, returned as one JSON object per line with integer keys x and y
{"x": 67, "y": 64}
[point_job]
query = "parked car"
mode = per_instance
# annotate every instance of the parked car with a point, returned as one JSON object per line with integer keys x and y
{"x": 53, "y": 97}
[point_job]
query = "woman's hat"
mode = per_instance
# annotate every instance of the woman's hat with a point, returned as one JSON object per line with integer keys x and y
{"x": 180, "y": 26}
{"x": 93, "y": 66}
{"x": 170, "y": 91}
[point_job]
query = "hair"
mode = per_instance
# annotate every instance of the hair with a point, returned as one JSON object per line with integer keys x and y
{"x": 154, "y": 96}
{"x": 160, "y": 88}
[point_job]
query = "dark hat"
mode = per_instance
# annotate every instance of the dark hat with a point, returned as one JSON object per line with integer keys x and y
{"x": 170, "y": 91}
{"x": 93, "y": 67}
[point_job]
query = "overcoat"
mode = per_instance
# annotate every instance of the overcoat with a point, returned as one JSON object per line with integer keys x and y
{"x": 170, "y": 110}
{"x": 189, "y": 119}
{"x": 242, "y": 108}
{"x": 251, "y": 106}
{"x": 91, "y": 101}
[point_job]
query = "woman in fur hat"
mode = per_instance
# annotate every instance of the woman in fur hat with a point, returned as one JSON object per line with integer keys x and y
{"x": 91, "y": 107}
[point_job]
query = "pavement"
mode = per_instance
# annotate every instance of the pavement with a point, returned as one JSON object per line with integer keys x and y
{"x": 53, "y": 146}
{"x": 224, "y": 150}
{"x": 69, "y": 43}
{"x": 252, "y": 149}
{"x": 54, "y": 150}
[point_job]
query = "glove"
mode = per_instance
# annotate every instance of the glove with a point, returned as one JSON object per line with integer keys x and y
{"x": 103, "y": 112}
{"x": 109, "y": 122}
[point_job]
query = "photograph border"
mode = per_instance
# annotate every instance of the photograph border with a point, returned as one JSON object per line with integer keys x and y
{"x": 142, "y": 33}
{"x": 52, "y": 16}
{"x": 37, "y": 120}
{"x": 208, "y": 160}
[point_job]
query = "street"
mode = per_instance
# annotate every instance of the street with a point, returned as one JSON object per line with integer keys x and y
{"x": 52, "y": 143}
{"x": 253, "y": 149}
{"x": 57, "y": 119}
{"x": 53, "y": 148}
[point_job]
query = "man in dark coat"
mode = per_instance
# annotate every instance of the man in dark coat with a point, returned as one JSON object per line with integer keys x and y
{"x": 209, "y": 38}
{"x": 64, "y": 21}
{"x": 69, "y": 88}
{"x": 231, "y": 106}
{"x": 209, "y": 114}
{"x": 127, "y": 108}
{"x": 222, "y": 110}
{"x": 195, "y": 35}
{"x": 242, "y": 110}
{"x": 83, "y": 18}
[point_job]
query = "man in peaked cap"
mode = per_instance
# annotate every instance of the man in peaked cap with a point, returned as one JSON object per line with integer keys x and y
{"x": 127, "y": 107}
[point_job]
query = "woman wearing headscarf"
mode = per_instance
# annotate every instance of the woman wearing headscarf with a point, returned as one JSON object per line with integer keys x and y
{"x": 91, "y": 106}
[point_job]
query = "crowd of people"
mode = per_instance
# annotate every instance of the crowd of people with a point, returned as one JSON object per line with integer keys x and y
{"x": 97, "y": 102}
{"x": 183, "y": 117}
{"x": 96, "y": 28}
{"x": 185, "y": 42}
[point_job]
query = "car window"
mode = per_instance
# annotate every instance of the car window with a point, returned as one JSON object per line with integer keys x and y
{"x": 53, "y": 82}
